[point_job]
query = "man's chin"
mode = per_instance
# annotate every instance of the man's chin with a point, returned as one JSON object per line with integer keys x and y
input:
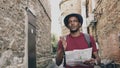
{"x": 73, "y": 31}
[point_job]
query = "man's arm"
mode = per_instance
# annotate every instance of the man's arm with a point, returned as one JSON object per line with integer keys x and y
{"x": 97, "y": 58}
{"x": 95, "y": 51}
{"x": 59, "y": 57}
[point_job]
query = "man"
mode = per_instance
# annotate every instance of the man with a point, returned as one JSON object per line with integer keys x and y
{"x": 75, "y": 40}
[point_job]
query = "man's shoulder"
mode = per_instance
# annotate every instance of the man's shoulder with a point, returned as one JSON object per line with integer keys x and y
{"x": 87, "y": 34}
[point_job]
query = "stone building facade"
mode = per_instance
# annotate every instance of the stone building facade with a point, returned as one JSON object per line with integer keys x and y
{"x": 106, "y": 28}
{"x": 16, "y": 18}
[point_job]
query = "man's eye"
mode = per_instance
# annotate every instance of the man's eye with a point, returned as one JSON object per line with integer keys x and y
{"x": 75, "y": 21}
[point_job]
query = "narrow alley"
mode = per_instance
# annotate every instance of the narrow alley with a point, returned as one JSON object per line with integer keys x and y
{"x": 27, "y": 40}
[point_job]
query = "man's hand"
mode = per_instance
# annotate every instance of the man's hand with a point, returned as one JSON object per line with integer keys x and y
{"x": 90, "y": 61}
{"x": 64, "y": 43}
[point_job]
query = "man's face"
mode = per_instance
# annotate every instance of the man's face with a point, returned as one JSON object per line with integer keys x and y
{"x": 73, "y": 24}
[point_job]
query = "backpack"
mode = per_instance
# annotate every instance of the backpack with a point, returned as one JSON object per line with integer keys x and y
{"x": 87, "y": 38}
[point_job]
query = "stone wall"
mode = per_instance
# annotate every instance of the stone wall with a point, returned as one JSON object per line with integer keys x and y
{"x": 108, "y": 28}
{"x": 70, "y": 6}
{"x": 46, "y": 4}
{"x": 13, "y": 32}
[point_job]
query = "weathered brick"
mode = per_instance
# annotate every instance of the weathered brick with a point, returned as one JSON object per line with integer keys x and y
{"x": 108, "y": 29}
{"x": 13, "y": 20}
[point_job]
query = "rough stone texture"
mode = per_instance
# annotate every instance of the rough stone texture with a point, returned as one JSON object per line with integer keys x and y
{"x": 12, "y": 35}
{"x": 43, "y": 35}
{"x": 12, "y": 32}
{"x": 46, "y": 4}
{"x": 70, "y": 6}
{"x": 108, "y": 14}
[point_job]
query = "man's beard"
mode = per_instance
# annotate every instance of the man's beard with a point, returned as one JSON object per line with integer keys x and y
{"x": 73, "y": 31}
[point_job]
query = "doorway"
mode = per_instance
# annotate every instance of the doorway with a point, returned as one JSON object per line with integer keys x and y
{"x": 31, "y": 40}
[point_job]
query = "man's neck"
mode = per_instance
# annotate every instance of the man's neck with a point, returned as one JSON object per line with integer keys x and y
{"x": 75, "y": 34}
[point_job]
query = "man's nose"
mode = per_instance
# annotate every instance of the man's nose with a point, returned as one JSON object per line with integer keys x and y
{"x": 72, "y": 21}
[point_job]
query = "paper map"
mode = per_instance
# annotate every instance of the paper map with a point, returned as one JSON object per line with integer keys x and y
{"x": 78, "y": 55}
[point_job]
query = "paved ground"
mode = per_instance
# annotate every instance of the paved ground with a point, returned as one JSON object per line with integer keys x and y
{"x": 104, "y": 61}
{"x": 53, "y": 65}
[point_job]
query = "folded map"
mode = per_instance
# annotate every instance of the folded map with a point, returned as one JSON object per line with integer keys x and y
{"x": 78, "y": 55}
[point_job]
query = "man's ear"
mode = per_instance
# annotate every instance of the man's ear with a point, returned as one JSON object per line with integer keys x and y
{"x": 68, "y": 26}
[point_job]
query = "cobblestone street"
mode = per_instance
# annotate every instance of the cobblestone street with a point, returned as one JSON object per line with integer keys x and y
{"x": 53, "y": 65}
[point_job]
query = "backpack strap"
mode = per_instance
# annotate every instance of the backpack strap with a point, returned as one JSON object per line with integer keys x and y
{"x": 87, "y": 38}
